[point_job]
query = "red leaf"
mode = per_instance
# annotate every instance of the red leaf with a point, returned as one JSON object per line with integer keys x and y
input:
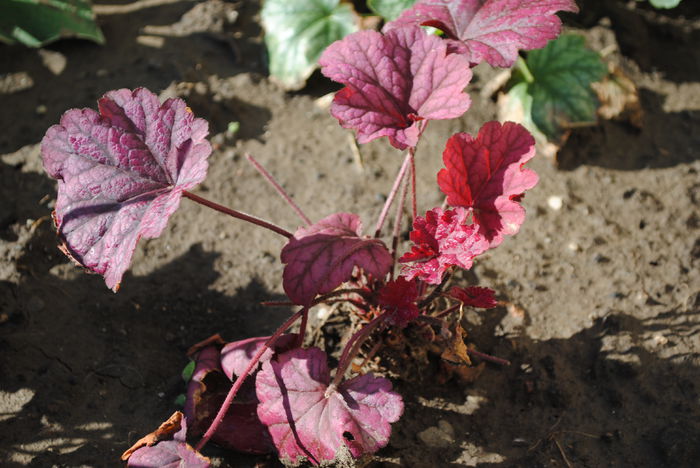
{"x": 310, "y": 419}
{"x": 398, "y": 298}
{"x": 236, "y": 356}
{"x": 475, "y": 296}
{"x": 121, "y": 174}
{"x": 441, "y": 239}
{"x": 490, "y": 30}
{"x": 393, "y": 82}
{"x": 321, "y": 257}
{"x": 486, "y": 174}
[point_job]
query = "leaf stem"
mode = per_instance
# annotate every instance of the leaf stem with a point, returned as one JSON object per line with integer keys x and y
{"x": 259, "y": 167}
{"x": 414, "y": 203}
{"x": 237, "y": 214}
{"x": 392, "y": 194}
{"x": 241, "y": 378}
{"x": 522, "y": 67}
{"x": 353, "y": 346}
{"x": 488, "y": 357}
{"x": 397, "y": 229}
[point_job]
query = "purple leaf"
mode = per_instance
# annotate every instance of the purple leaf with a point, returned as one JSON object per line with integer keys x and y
{"x": 310, "y": 419}
{"x": 165, "y": 447}
{"x": 489, "y": 30}
{"x": 241, "y": 429}
{"x": 321, "y": 257}
{"x": 121, "y": 174}
{"x": 486, "y": 174}
{"x": 394, "y": 81}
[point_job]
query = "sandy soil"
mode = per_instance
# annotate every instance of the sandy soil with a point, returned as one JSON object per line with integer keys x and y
{"x": 603, "y": 330}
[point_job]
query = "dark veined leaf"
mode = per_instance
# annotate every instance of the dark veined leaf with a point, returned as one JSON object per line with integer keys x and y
{"x": 560, "y": 84}
{"x": 36, "y": 23}
{"x": 298, "y": 31}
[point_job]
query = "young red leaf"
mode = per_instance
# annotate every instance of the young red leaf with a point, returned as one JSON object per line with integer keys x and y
{"x": 310, "y": 419}
{"x": 440, "y": 240}
{"x": 166, "y": 447}
{"x": 486, "y": 174}
{"x": 475, "y": 296}
{"x": 489, "y": 30}
{"x": 241, "y": 429}
{"x": 398, "y": 298}
{"x": 121, "y": 174}
{"x": 321, "y": 257}
{"x": 393, "y": 81}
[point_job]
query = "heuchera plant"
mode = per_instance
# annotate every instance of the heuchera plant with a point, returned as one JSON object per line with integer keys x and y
{"x": 122, "y": 171}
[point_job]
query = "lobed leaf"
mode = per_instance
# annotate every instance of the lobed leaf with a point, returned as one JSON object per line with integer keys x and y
{"x": 561, "y": 87}
{"x": 441, "y": 240}
{"x": 489, "y": 30}
{"x": 297, "y": 31}
{"x": 308, "y": 419}
{"x": 36, "y": 23}
{"x": 485, "y": 174}
{"x": 121, "y": 174}
{"x": 393, "y": 82}
{"x": 321, "y": 257}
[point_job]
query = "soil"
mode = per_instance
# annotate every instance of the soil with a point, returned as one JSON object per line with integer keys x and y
{"x": 601, "y": 293}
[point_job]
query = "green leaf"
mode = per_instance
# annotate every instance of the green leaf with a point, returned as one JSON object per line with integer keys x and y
{"x": 665, "y": 3}
{"x": 297, "y": 31}
{"x": 561, "y": 92}
{"x": 389, "y": 9}
{"x": 35, "y": 23}
{"x": 188, "y": 371}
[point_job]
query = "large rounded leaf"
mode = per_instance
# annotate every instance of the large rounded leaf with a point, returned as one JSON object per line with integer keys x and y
{"x": 308, "y": 419}
{"x": 121, "y": 174}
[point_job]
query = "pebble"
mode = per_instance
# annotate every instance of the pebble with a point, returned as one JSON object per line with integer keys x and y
{"x": 555, "y": 202}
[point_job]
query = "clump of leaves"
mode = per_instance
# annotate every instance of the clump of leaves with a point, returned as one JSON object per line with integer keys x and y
{"x": 122, "y": 172}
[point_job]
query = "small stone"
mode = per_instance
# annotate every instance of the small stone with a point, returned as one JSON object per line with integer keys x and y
{"x": 441, "y": 436}
{"x": 41, "y": 109}
{"x": 555, "y": 202}
{"x": 54, "y": 61}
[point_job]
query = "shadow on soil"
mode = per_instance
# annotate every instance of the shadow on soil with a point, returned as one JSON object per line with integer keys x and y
{"x": 91, "y": 371}
{"x": 661, "y": 142}
{"x": 599, "y": 395}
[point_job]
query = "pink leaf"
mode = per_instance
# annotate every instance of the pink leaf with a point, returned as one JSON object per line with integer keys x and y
{"x": 441, "y": 239}
{"x": 162, "y": 449}
{"x": 398, "y": 298}
{"x": 489, "y": 30}
{"x": 236, "y": 355}
{"x": 310, "y": 419}
{"x": 241, "y": 429}
{"x": 321, "y": 257}
{"x": 475, "y": 296}
{"x": 121, "y": 174}
{"x": 393, "y": 82}
{"x": 486, "y": 174}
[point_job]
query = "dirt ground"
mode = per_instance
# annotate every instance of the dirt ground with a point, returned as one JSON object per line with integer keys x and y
{"x": 603, "y": 330}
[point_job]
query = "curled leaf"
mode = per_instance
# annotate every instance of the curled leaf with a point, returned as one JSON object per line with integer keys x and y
{"x": 241, "y": 429}
{"x": 309, "y": 419}
{"x": 486, "y": 175}
{"x": 440, "y": 240}
{"x": 489, "y": 30}
{"x": 393, "y": 82}
{"x": 321, "y": 257}
{"x": 121, "y": 174}
{"x": 165, "y": 447}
